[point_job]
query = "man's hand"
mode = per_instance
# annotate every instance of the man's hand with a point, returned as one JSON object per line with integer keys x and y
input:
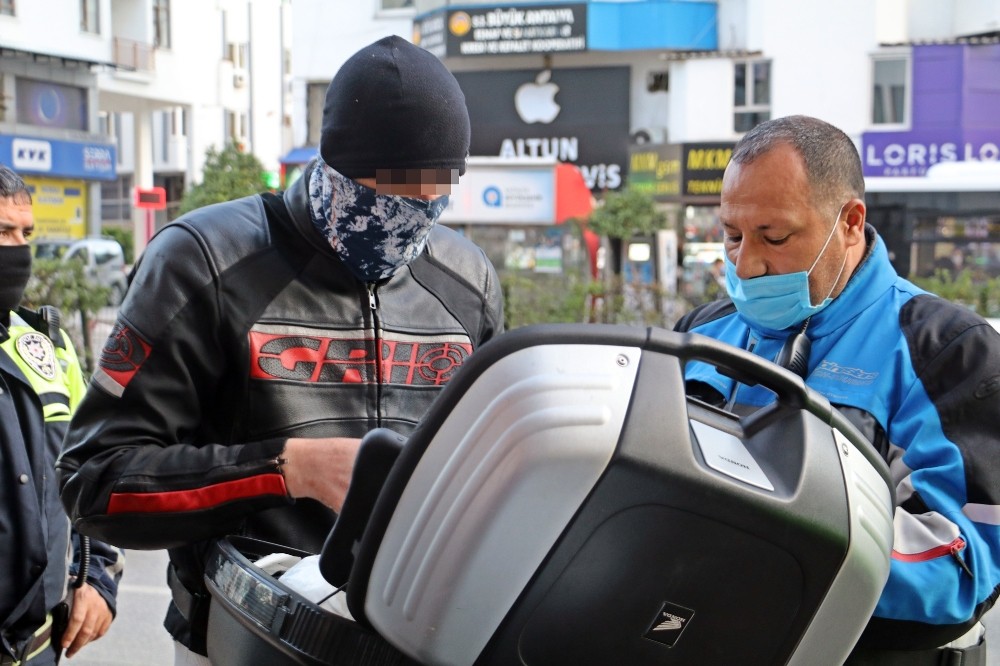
{"x": 320, "y": 468}
{"x": 88, "y": 621}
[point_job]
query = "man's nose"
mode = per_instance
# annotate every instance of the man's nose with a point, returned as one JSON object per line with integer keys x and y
{"x": 749, "y": 263}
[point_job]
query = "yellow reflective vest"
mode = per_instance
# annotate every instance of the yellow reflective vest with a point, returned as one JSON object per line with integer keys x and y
{"x": 52, "y": 370}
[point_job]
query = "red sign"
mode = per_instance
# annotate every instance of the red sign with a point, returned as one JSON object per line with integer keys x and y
{"x": 154, "y": 198}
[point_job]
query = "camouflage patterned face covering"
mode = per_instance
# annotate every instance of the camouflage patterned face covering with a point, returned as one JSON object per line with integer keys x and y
{"x": 374, "y": 234}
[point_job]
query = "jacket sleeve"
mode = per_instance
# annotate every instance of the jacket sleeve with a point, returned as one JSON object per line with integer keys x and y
{"x": 104, "y": 568}
{"x": 105, "y": 563}
{"x": 943, "y": 453}
{"x": 493, "y": 321}
{"x": 135, "y": 471}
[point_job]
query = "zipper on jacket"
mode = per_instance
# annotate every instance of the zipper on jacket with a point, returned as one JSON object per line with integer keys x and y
{"x": 954, "y": 549}
{"x": 373, "y": 306}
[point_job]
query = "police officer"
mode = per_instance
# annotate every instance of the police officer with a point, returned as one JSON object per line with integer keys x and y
{"x": 49, "y": 601}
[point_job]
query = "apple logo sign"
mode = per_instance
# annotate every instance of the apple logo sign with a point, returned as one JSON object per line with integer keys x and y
{"x": 535, "y": 102}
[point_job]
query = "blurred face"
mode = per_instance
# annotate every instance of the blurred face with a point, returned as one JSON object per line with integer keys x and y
{"x": 16, "y": 222}
{"x": 772, "y": 228}
{"x": 425, "y": 184}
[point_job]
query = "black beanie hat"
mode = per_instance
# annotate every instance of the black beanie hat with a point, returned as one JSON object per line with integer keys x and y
{"x": 394, "y": 105}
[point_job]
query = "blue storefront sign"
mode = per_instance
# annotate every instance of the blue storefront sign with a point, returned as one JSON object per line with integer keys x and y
{"x": 954, "y": 116}
{"x": 60, "y": 159}
{"x": 899, "y": 154}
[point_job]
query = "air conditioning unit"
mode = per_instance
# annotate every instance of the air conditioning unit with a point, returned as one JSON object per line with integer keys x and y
{"x": 652, "y": 134}
{"x": 239, "y": 79}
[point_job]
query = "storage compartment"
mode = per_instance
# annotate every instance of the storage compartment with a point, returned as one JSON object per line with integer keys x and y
{"x": 564, "y": 502}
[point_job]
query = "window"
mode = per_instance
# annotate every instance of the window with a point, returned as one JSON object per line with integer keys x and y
{"x": 229, "y": 125}
{"x": 236, "y": 126}
{"x": 396, "y": 4}
{"x": 658, "y": 81}
{"x": 161, "y": 24}
{"x": 752, "y": 94}
{"x": 90, "y": 16}
{"x": 116, "y": 199}
{"x": 889, "y": 97}
{"x": 166, "y": 122}
{"x": 178, "y": 121}
{"x": 315, "y": 97}
{"x": 110, "y": 124}
{"x": 7, "y": 7}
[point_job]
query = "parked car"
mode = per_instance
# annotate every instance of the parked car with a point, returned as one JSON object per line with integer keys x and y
{"x": 103, "y": 260}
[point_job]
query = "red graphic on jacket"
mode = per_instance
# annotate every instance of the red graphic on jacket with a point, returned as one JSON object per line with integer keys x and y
{"x": 123, "y": 354}
{"x": 320, "y": 359}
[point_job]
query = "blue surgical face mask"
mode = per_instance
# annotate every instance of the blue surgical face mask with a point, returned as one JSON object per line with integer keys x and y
{"x": 777, "y": 302}
{"x": 373, "y": 234}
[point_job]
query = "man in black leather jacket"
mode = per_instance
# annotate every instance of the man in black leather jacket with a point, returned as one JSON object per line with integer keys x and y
{"x": 260, "y": 338}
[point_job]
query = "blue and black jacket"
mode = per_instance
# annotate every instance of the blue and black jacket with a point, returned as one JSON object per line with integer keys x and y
{"x": 920, "y": 377}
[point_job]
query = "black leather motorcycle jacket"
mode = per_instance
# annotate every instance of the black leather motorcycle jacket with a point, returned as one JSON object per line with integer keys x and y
{"x": 242, "y": 328}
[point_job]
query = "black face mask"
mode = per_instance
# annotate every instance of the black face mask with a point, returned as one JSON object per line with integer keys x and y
{"x": 15, "y": 269}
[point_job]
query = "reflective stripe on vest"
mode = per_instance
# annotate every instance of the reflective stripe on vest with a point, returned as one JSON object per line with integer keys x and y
{"x": 36, "y": 357}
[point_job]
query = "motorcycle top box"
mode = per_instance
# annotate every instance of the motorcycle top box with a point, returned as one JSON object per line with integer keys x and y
{"x": 565, "y": 502}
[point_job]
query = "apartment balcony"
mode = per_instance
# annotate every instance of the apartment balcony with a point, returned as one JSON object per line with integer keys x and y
{"x": 132, "y": 55}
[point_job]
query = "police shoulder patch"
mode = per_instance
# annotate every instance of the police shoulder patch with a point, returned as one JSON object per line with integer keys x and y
{"x": 39, "y": 353}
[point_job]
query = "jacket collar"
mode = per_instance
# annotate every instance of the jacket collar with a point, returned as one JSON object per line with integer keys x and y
{"x": 297, "y": 202}
{"x": 870, "y": 281}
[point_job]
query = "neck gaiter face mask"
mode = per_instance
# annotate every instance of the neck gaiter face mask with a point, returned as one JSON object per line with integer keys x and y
{"x": 15, "y": 270}
{"x": 373, "y": 234}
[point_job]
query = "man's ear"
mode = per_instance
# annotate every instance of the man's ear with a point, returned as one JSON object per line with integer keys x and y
{"x": 854, "y": 214}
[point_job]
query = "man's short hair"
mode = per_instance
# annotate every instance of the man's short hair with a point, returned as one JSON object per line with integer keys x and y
{"x": 12, "y": 187}
{"x": 831, "y": 159}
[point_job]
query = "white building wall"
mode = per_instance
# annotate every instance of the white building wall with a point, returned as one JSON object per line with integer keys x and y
{"x": 820, "y": 57}
{"x": 267, "y": 87}
{"x": 193, "y": 73}
{"x": 325, "y": 33}
{"x": 53, "y": 28}
{"x": 930, "y": 19}
{"x": 701, "y": 101}
{"x": 976, "y": 17}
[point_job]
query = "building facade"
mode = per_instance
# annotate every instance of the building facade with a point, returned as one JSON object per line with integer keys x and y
{"x": 653, "y": 94}
{"x": 130, "y": 94}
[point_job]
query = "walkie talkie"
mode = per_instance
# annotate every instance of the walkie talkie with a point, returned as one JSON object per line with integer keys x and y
{"x": 794, "y": 354}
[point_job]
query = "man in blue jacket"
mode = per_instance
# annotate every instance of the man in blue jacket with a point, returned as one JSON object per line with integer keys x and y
{"x": 810, "y": 286}
{"x": 42, "y": 608}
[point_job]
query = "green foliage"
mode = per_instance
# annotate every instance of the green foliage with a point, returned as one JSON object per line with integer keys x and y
{"x": 229, "y": 174}
{"x": 64, "y": 284}
{"x": 549, "y": 299}
{"x": 967, "y": 288}
{"x": 626, "y": 214}
{"x": 543, "y": 299}
{"x": 125, "y": 238}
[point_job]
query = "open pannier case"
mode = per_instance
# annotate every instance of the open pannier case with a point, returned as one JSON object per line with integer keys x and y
{"x": 564, "y": 502}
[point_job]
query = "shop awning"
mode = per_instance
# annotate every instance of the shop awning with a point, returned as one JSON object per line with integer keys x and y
{"x": 299, "y": 155}
{"x": 959, "y": 176}
{"x": 573, "y": 198}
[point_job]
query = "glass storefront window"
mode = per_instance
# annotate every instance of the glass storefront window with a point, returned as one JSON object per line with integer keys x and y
{"x": 954, "y": 244}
